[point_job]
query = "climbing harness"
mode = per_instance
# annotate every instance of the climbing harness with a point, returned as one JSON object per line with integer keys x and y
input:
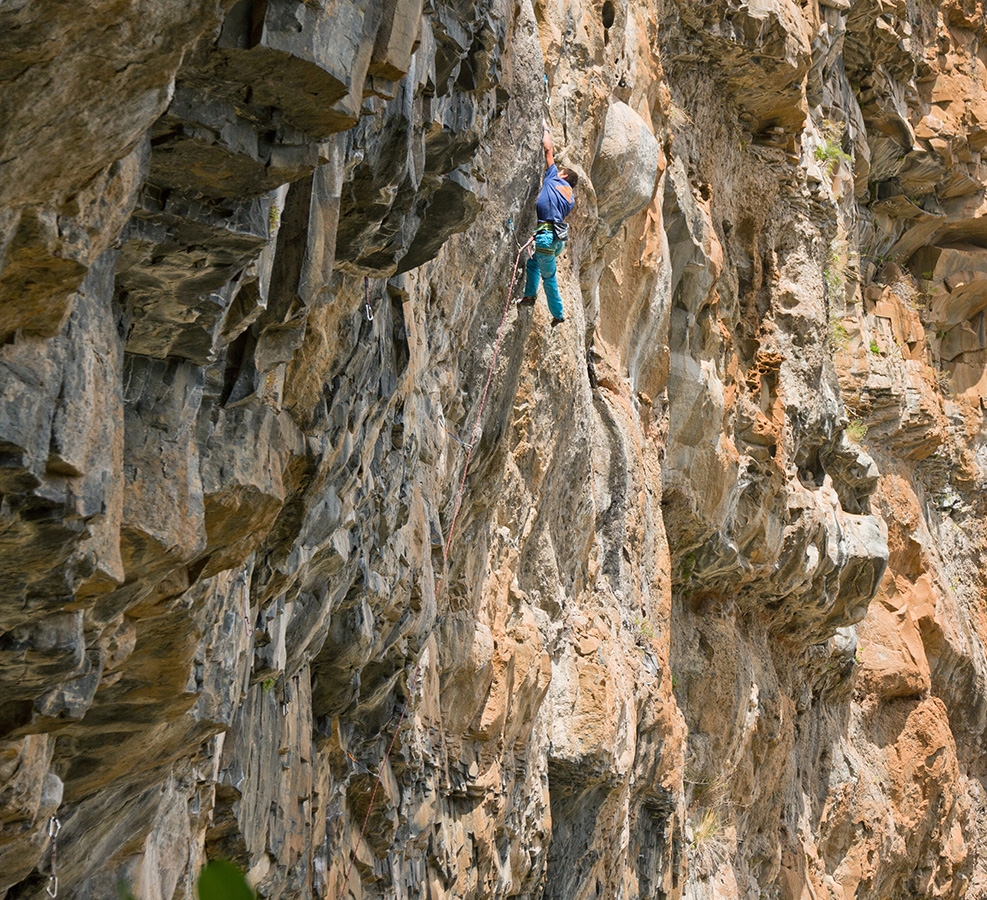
{"x": 366, "y": 299}
{"x": 54, "y": 826}
{"x": 558, "y": 230}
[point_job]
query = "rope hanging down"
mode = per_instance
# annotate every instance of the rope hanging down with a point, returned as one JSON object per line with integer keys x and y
{"x": 445, "y": 550}
{"x": 483, "y": 402}
{"x": 387, "y": 756}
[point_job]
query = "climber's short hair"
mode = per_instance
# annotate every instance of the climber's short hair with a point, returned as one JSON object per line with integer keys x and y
{"x": 569, "y": 176}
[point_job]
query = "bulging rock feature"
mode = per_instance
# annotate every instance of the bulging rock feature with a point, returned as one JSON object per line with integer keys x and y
{"x": 626, "y": 165}
{"x": 320, "y": 555}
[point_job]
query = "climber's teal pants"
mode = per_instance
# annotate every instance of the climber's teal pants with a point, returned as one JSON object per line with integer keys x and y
{"x": 542, "y": 265}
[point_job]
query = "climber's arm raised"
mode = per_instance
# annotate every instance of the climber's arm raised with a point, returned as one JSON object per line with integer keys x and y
{"x": 546, "y": 142}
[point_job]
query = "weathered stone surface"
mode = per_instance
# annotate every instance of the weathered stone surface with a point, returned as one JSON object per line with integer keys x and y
{"x": 286, "y": 53}
{"x": 46, "y": 254}
{"x": 63, "y": 441}
{"x": 244, "y": 455}
{"x": 175, "y": 269}
{"x": 36, "y": 264}
{"x": 119, "y": 68}
{"x": 78, "y": 98}
{"x": 626, "y": 164}
{"x": 203, "y": 145}
{"x": 163, "y": 514}
{"x": 762, "y": 52}
{"x": 31, "y": 795}
{"x": 700, "y": 613}
{"x": 396, "y": 39}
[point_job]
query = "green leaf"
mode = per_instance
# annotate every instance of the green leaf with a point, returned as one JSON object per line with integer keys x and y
{"x": 221, "y": 880}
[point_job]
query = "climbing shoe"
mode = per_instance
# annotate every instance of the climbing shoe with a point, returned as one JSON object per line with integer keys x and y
{"x": 525, "y": 301}
{"x": 556, "y": 321}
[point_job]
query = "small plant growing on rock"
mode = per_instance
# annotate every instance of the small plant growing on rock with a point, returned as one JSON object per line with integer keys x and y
{"x": 830, "y": 156}
{"x": 643, "y": 628}
{"x": 839, "y": 337}
{"x": 856, "y": 430}
{"x": 904, "y": 289}
{"x": 830, "y": 153}
{"x": 875, "y": 347}
{"x": 707, "y": 847}
{"x": 688, "y": 565}
{"x": 707, "y": 828}
{"x": 833, "y": 279}
{"x": 221, "y": 880}
{"x": 704, "y": 791}
{"x": 835, "y": 270}
{"x": 644, "y": 636}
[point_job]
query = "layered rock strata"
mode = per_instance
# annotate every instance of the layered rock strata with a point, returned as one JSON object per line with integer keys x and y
{"x": 318, "y": 556}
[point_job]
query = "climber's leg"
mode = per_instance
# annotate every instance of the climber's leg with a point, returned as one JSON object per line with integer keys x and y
{"x": 546, "y": 263}
{"x": 532, "y": 277}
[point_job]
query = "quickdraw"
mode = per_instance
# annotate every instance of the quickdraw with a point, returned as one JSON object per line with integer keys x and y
{"x": 366, "y": 299}
{"x": 54, "y": 826}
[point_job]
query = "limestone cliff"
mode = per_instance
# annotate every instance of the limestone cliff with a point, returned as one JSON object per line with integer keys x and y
{"x": 319, "y": 556}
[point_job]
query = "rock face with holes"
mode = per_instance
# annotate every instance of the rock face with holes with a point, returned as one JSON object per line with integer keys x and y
{"x": 318, "y": 555}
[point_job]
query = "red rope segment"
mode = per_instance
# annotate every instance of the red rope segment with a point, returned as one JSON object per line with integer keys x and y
{"x": 448, "y": 544}
{"x": 483, "y": 402}
{"x": 387, "y": 756}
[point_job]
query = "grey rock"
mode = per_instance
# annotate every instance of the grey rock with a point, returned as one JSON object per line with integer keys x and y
{"x": 202, "y": 145}
{"x": 163, "y": 518}
{"x": 234, "y": 569}
{"x": 175, "y": 267}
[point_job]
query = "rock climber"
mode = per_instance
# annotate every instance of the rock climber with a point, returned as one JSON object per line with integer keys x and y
{"x": 555, "y": 201}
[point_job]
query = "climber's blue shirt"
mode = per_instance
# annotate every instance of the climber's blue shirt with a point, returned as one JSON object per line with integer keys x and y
{"x": 555, "y": 200}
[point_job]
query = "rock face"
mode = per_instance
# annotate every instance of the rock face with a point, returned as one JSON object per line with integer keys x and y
{"x": 318, "y": 556}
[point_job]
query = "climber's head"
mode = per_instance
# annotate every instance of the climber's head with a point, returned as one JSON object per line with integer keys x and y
{"x": 569, "y": 176}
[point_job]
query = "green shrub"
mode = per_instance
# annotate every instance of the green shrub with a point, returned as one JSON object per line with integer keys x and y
{"x": 856, "y": 429}
{"x": 829, "y": 154}
{"x": 839, "y": 337}
{"x": 218, "y": 880}
{"x": 221, "y": 880}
